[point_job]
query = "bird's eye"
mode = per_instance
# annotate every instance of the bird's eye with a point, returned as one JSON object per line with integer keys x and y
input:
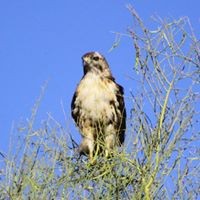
{"x": 96, "y": 58}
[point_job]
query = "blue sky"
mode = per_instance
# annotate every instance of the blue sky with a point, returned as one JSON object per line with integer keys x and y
{"x": 44, "y": 41}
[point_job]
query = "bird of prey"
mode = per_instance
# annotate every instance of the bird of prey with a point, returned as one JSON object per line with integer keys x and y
{"x": 98, "y": 108}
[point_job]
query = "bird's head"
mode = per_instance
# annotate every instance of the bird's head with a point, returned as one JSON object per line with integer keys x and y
{"x": 95, "y": 62}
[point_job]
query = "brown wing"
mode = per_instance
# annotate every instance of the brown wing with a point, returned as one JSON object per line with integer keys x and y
{"x": 122, "y": 117}
{"x": 75, "y": 110}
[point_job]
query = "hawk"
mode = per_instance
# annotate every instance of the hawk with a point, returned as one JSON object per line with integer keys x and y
{"x": 98, "y": 108}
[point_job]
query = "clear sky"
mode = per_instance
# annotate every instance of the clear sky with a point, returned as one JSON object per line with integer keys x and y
{"x": 43, "y": 40}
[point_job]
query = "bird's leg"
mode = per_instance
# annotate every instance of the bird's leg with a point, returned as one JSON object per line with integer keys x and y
{"x": 110, "y": 139}
{"x": 88, "y": 141}
{"x": 109, "y": 143}
{"x": 90, "y": 146}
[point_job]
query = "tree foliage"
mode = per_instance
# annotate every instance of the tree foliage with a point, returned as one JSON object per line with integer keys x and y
{"x": 161, "y": 158}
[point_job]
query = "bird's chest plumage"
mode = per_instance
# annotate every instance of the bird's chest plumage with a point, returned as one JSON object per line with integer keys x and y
{"x": 94, "y": 95}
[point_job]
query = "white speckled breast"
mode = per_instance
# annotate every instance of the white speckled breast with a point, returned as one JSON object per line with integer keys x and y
{"x": 94, "y": 96}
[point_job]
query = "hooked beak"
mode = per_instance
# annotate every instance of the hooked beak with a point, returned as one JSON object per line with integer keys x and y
{"x": 86, "y": 64}
{"x": 85, "y": 60}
